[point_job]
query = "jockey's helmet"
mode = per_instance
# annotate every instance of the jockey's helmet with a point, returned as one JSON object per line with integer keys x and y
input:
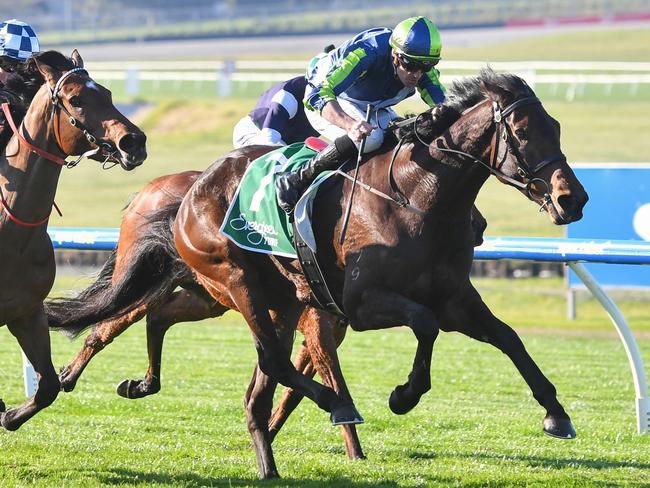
{"x": 417, "y": 38}
{"x": 18, "y": 40}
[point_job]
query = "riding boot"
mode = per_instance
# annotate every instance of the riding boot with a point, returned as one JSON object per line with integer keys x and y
{"x": 290, "y": 185}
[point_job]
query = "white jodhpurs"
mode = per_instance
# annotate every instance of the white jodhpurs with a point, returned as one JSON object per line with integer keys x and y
{"x": 378, "y": 118}
{"x": 247, "y": 133}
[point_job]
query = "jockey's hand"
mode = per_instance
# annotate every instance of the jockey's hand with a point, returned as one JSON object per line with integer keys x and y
{"x": 359, "y": 129}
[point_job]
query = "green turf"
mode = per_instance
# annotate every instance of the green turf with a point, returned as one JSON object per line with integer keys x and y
{"x": 479, "y": 426}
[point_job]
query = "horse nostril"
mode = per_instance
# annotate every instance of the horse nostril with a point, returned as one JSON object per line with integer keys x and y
{"x": 131, "y": 143}
{"x": 570, "y": 205}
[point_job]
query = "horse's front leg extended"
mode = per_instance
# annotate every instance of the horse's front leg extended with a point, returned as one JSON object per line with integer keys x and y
{"x": 248, "y": 296}
{"x": 33, "y": 336}
{"x": 381, "y": 309}
{"x": 469, "y": 314}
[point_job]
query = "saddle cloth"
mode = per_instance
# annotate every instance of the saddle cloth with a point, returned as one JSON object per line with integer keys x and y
{"x": 254, "y": 221}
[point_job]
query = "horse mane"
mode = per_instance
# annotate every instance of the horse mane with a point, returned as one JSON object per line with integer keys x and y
{"x": 21, "y": 84}
{"x": 464, "y": 93}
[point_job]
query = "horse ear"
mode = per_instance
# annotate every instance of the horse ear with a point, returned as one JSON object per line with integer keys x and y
{"x": 50, "y": 73}
{"x": 495, "y": 92}
{"x": 76, "y": 59}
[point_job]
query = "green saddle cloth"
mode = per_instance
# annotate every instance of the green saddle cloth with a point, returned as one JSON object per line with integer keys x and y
{"x": 254, "y": 221}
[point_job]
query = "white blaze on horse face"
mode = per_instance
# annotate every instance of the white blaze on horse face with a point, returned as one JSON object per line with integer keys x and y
{"x": 92, "y": 85}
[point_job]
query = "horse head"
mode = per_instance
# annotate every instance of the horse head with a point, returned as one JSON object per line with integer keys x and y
{"x": 526, "y": 148}
{"x": 85, "y": 121}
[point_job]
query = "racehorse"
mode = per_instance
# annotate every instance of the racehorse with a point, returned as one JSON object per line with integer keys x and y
{"x": 496, "y": 125}
{"x": 70, "y": 114}
{"x": 187, "y": 305}
{"x": 170, "y": 307}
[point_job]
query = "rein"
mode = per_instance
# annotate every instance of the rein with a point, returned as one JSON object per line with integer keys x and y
{"x": 56, "y": 103}
{"x": 523, "y": 168}
{"x": 104, "y": 148}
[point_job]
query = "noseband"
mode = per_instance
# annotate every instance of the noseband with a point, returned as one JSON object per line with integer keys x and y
{"x": 524, "y": 169}
{"x": 104, "y": 148}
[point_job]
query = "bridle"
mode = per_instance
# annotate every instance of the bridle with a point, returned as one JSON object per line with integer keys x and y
{"x": 103, "y": 148}
{"x": 524, "y": 169}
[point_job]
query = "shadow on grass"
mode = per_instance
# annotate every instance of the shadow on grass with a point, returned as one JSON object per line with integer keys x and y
{"x": 543, "y": 462}
{"x": 134, "y": 477}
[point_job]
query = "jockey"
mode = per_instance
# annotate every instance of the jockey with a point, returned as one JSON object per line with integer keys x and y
{"x": 379, "y": 67}
{"x": 18, "y": 42}
{"x": 279, "y": 115}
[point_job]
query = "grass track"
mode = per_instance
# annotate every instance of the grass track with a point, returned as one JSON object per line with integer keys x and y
{"x": 479, "y": 426}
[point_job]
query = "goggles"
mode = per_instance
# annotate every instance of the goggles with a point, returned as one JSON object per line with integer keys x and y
{"x": 411, "y": 65}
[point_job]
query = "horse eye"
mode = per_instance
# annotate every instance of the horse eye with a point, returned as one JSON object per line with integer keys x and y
{"x": 76, "y": 102}
{"x": 522, "y": 134}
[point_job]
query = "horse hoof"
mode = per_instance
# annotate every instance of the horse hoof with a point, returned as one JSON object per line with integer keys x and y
{"x": 559, "y": 427}
{"x": 8, "y": 423}
{"x": 399, "y": 403}
{"x": 3, "y": 407}
{"x": 347, "y": 414}
{"x": 124, "y": 389}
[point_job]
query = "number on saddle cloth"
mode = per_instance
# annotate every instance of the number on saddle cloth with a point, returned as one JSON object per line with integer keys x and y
{"x": 254, "y": 221}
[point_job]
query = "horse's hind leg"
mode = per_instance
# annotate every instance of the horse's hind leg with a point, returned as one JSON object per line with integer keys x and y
{"x": 33, "y": 336}
{"x": 182, "y": 306}
{"x": 290, "y": 399}
{"x": 101, "y": 336}
{"x": 486, "y": 327}
{"x": 323, "y": 334}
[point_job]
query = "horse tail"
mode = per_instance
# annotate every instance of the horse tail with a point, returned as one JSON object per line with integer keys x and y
{"x": 153, "y": 270}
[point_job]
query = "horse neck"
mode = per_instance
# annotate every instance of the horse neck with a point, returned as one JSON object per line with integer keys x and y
{"x": 30, "y": 180}
{"x": 445, "y": 183}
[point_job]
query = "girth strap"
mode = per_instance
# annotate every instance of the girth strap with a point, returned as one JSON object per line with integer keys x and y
{"x": 319, "y": 290}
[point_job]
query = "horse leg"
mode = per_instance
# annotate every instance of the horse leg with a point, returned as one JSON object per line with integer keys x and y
{"x": 257, "y": 404}
{"x": 323, "y": 335}
{"x": 182, "y": 306}
{"x": 247, "y": 295}
{"x": 470, "y": 310}
{"x": 381, "y": 309}
{"x": 101, "y": 336}
{"x": 33, "y": 336}
{"x": 290, "y": 399}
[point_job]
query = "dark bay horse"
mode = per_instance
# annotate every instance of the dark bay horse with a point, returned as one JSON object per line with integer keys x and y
{"x": 70, "y": 114}
{"x": 496, "y": 125}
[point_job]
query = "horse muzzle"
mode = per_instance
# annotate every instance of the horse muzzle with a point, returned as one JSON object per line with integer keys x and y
{"x": 132, "y": 150}
{"x": 567, "y": 199}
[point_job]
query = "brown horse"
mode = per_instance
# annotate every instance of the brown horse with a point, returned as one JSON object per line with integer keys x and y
{"x": 69, "y": 115}
{"x": 492, "y": 117}
{"x": 188, "y": 305}
{"x": 169, "y": 307}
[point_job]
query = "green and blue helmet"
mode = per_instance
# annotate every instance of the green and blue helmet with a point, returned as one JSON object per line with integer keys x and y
{"x": 417, "y": 38}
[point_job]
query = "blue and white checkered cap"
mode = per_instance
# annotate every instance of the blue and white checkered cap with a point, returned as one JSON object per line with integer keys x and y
{"x": 17, "y": 40}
